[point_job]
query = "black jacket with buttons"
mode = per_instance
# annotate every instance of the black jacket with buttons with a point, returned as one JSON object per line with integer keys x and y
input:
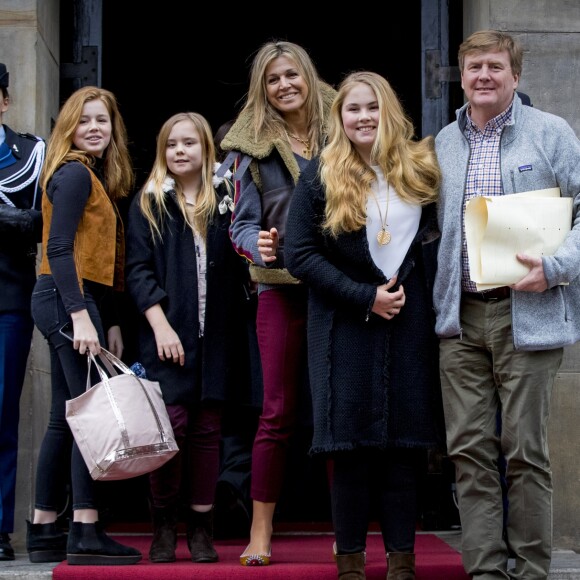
{"x": 217, "y": 366}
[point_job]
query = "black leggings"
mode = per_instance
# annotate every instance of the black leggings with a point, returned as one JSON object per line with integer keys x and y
{"x": 385, "y": 482}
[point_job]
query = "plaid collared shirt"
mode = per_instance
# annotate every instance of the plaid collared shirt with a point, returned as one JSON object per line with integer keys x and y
{"x": 483, "y": 173}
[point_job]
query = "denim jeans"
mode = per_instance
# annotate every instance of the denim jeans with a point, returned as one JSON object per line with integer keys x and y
{"x": 59, "y": 455}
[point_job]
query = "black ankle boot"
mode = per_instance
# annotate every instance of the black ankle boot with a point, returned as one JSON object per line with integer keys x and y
{"x": 164, "y": 535}
{"x": 45, "y": 543}
{"x": 6, "y": 549}
{"x": 88, "y": 545}
{"x": 200, "y": 537}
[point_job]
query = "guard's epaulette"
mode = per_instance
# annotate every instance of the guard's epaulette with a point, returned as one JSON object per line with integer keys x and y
{"x": 31, "y": 136}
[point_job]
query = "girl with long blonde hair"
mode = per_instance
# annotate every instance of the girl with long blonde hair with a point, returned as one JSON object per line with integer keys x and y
{"x": 191, "y": 289}
{"x": 408, "y": 164}
{"x": 361, "y": 235}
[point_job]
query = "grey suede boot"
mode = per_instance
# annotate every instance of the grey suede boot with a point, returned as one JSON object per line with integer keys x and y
{"x": 164, "y": 535}
{"x": 351, "y": 566}
{"x": 401, "y": 566}
{"x": 200, "y": 537}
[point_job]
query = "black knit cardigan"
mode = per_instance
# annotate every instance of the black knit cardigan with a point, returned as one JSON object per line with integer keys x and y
{"x": 375, "y": 383}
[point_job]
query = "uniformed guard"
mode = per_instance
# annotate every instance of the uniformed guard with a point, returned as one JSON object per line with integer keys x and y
{"x": 21, "y": 158}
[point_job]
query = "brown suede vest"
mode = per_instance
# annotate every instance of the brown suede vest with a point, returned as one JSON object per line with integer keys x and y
{"x": 99, "y": 247}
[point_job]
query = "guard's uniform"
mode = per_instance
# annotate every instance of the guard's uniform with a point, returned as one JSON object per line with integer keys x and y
{"x": 21, "y": 158}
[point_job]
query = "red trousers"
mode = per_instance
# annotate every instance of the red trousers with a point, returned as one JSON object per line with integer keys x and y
{"x": 281, "y": 329}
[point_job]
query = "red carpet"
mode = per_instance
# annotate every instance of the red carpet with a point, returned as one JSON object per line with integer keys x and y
{"x": 294, "y": 557}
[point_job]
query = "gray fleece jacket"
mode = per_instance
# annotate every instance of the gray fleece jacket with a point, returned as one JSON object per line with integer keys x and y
{"x": 537, "y": 151}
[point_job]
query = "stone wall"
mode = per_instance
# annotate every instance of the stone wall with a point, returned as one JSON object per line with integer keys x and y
{"x": 29, "y": 37}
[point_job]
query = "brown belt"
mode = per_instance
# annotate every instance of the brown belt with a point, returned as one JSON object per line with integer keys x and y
{"x": 494, "y": 294}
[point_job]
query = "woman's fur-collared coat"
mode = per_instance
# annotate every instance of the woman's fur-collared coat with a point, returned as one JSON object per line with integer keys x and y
{"x": 217, "y": 366}
{"x": 265, "y": 192}
{"x": 375, "y": 382}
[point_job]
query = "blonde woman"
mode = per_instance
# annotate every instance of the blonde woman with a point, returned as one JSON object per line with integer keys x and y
{"x": 192, "y": 290}
{"x": 360, "y": 234}
{"x": 86, "y": 171}
{"x": 281, "y": 126}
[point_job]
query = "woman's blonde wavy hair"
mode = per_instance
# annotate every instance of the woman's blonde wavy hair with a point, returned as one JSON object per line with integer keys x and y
{"x": 153, "y": 197}
{"x": 409, "y": 165}
{"x": 118, "y": 169}
{"x": 267, "y": 119}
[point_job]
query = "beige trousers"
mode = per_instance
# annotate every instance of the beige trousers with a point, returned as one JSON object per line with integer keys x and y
{"x": 484, "y": 378}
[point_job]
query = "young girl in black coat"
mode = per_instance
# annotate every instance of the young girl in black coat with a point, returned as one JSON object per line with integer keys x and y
{"x": 192, "y": 290}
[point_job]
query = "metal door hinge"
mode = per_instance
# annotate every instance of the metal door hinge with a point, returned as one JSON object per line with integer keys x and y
{"x": 435, "y": 74}
{"x": 86, "y": 70}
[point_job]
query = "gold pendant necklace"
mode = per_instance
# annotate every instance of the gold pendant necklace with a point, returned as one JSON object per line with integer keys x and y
{"x": 384, "y": 236}
{"x": 305, "y": 142}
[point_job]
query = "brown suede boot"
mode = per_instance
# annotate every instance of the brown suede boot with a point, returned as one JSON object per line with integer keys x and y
{"x": 164, "y": 535}
{"x": 401, "y": 566}
{"x": 200, "y": 537}
{"x": 351, "y": 566}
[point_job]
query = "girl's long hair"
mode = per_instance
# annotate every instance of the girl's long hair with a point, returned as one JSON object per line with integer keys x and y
{"x": 118, "y": 169}
{"x": 410, "y": 166}
{"x": 154, "y": 193}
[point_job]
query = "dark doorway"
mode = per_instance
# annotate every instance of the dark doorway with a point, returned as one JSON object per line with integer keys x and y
{"x": 171, "y": 59}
